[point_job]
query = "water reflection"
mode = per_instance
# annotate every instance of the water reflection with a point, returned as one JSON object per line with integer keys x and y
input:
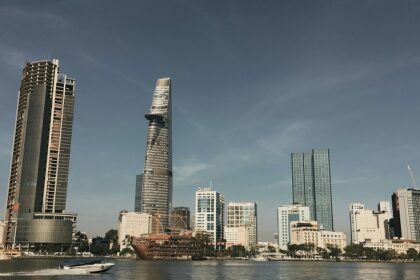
{"x": 159, "y": 270}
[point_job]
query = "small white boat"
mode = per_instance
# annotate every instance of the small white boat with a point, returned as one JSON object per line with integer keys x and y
{"x": 260, "y": 259}
{"x": 89, "y": 266}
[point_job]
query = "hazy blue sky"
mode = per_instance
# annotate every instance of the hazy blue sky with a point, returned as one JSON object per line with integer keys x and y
{"x": 252, "y": 81}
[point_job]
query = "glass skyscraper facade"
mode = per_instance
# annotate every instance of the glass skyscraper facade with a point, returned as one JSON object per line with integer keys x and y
{"x": 36, "y": 198}
{"x": 137, "y": 198}
{"x": 156, "y": 191}
{"x": 311, "y": 184}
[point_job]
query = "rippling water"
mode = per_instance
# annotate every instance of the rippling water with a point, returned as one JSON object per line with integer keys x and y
{"x": 157, "y": 270}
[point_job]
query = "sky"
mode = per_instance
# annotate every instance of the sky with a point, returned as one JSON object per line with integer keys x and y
{"x": 252, "y": 82}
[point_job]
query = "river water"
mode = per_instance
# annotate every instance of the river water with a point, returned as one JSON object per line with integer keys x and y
{"x": 157, "y": 270}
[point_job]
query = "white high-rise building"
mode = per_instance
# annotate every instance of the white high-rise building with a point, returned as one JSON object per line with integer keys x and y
{"x": 407, "y": 213}
{"x": 244, "y": 214}
{"x": 368, "y": 225}
{"x": 209, "y": 213}
{"x": 285, "y": 215}
{"x": 132, "y": 224}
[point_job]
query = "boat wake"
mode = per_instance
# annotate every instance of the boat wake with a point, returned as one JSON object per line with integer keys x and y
{"x": 47, "y": 272}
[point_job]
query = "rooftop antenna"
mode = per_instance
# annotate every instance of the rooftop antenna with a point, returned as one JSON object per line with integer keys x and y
{"x": 413, "y": 179}
{"x": 211, "y": 184}
{"x": 49, "y": 55}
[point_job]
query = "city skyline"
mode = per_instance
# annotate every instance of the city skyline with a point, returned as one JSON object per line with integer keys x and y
{"x": 253, "y": 83}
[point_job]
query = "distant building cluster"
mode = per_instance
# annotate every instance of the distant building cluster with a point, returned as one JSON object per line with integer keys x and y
{"x": 382, "y": 229}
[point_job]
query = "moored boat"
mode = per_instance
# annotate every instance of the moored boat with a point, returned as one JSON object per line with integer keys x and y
{"x": 166, "y": 246}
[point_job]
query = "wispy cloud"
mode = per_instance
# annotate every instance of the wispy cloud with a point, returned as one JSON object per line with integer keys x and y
{"x": 95, "y": 62}
{"x": 190, "y": 172}
{"x": 286, "y": 139}
{"x": 191, "y": 121}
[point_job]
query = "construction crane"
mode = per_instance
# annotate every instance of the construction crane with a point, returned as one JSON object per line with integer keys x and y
{"x": 413, "y": 180}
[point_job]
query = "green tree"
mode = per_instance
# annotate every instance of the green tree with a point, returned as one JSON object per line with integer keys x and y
{"x": 413, "y": 254}
{"x": 354, "y": 251}
{"x": 111, "y": 235}
{"x": 334, "y": 251}
{"x": 271, "y": 249}
{"x": 126, "y": 251}
{"x": 236, "y": 251}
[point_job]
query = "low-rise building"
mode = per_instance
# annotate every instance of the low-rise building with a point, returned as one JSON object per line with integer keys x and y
{"x": 237, "y": 236}
{"x": 399, "y": 245}
{"x": 310, "y": 232}
{"x": 132, "y": 224}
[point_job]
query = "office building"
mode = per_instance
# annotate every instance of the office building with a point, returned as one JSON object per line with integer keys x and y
{"x": 406, "y": 210}
{"x": 368, "y": 225}
{"x": 36, "y": 198}
{"x": 156, "y": 191}
{"x": 181, "y": 218}
{"x": 137, "y": 197}
{"x": 309, "y": 233}
{"x": 285, "y": 215}
{"x": 311, "y": 184}
{"x": 244, "y": 214}
{"x": 209, "y": 213}
{"x": 132, "y": 224}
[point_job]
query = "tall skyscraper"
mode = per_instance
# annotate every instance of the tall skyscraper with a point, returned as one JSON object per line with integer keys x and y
{"x": 311, "y": 184}
{"x": 244, "y": 214}
{"x": 36, "y": 198}
{"x": 368, "y": 225}
{"x": 406, "y": 209}
{"x": 137, "y": 198}
{"x": 156, "y": 191}
{"x": 285, "y": 215}
{"x": 209, "y": 213}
